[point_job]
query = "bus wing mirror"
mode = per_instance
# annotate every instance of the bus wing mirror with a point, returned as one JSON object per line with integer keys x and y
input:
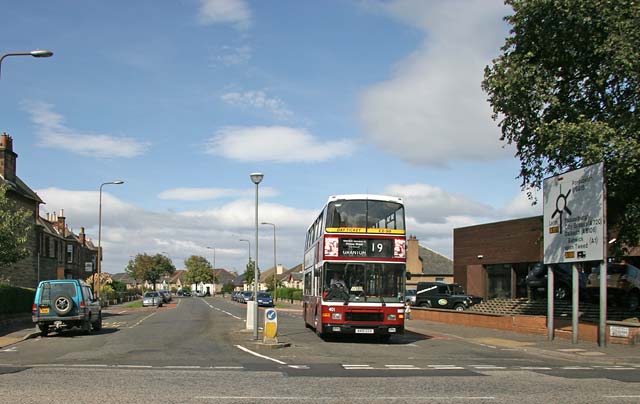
{"x": 408, "y": 274}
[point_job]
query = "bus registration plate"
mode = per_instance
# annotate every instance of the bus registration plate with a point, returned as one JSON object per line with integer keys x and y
{"x": 364, "y": 330}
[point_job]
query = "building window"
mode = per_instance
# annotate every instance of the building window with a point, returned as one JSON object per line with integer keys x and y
{"x": 69, "y": 253}
{"x": 439, "y": 279}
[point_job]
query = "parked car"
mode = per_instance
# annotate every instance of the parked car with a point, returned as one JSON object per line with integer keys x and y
{"x": 153, "y": 299}
{"x": 623, "y": 284}
{"x": 441, "y": 295}
{"x": 245, "y": 296}
{"x": 264, "y": 299}
{"x": 234, "y": 295}
{"x": 536, "y": 281}
{"x": 186, "y": 293}
{"x": 200, "y": 293}
{"x": 66, "y": 303}
{"x": 166, "y": 295}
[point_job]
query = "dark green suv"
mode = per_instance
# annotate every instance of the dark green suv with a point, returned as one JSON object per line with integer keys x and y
{"x": 66, "y": 303}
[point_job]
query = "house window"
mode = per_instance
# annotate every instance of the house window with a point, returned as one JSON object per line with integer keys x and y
{"x": 439, "y": 279}
{"x": 69, "y": 253}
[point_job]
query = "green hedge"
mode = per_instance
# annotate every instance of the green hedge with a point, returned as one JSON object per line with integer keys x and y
{"x": 15, "y": 300}
{"x": 289, "y": 293}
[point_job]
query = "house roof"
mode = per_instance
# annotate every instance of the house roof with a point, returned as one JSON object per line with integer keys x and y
{"x": 434, "y": 263}
{"x": 123, "y": 277}
{"x": 225, "y": 276}
{"x": 22, "y": 189}
{"x": 178, "y": 275}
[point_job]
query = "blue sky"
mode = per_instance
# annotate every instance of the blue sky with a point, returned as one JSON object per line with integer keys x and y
{"x": 183, "y": 99}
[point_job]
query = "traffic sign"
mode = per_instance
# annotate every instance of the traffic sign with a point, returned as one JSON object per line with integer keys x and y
{"x": 270, "y": 325}
{"x": 574, "y": 216}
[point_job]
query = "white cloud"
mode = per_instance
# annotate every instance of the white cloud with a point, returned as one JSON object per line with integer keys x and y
{"x": 521, "y": 205}
{"x": 233, "y": 56}
{"x": 234, "y": 12}
{"x": 201, "y": 194}
{"x": 260, "y": 100}
{"x": 429, "y": 204}
{"x": 53, "y": 134}
{"x": 275, "y": 143}
{"x": 128, "y": 229}
{"x": 432, "y": 110}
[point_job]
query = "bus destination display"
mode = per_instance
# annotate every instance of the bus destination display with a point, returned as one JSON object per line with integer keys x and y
{"x": 363, "y": 248}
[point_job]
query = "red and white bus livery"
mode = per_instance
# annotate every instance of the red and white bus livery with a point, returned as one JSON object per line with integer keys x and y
{"x": 355, "y": 267}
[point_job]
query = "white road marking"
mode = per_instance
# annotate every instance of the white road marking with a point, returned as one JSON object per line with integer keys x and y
{"x": 571, "y": 350}
{"x": 134, "y": 366}
{"x": 577, "y": 368}
{"x": 617, "y": 368}
{"x": 182, "y": 367}
{"x": 259, "y": 355}
{"x": 299, "y": 366}
{"x": 12, "y": 349}
{"x": 228, "y": 367}
{"x": 533, "y": 368}
{"x": 139, "y": 322}
{"x": 488, "y": 367}
{"x": 89, "y": 366}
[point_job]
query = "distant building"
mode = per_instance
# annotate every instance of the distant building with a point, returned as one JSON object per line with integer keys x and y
{"x": 426, "y": 265}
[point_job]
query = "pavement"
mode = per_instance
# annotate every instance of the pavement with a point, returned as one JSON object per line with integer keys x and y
{"x": 582, "y": 352}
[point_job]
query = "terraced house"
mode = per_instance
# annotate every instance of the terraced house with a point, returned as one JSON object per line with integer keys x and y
{"x": 56, "y": 252}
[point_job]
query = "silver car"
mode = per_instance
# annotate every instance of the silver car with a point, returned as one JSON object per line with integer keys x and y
{"x": 153, "y": 299}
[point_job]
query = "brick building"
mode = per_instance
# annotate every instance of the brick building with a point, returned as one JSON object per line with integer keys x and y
{"x": 56, "y": 252}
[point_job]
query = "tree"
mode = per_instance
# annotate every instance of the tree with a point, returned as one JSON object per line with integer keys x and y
{"x": 227, "y": 287}
{"x": 16, "y": 224}
{"x": 566, "y": 90}
{"x": 249, "y": 273}
{"x": 150, "y": 268}
{"x": 198, "y": 270}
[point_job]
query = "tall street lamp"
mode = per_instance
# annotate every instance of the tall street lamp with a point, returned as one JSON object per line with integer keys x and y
{"x": 256, "y": 178}
{"x": 275, "y": 265}
{"x": 96, "y": 282}
{"x": 38, "y": 53}
{"x": 244, "y": 239}
{"x": 214, "y": 269}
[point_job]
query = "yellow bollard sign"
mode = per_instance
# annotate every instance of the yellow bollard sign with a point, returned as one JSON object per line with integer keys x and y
{"x": 270, "y": 325}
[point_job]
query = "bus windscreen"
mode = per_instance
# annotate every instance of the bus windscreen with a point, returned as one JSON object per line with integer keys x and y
{"x": 365, "y": 214}
{"x": 363, "y": 282}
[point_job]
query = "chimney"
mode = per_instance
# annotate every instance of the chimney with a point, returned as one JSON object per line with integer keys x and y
{"x": 7, "y": 158}
{"x": 414, "y": 263}
{"x": 83, "y": 237}
{"x": 61, "y": 224}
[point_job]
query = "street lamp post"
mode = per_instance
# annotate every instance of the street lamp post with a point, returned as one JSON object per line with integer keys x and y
{"x": 244, "y": 239}
{"x": 96, "y": 280}
{"x": 275, "y": 265}
{"x": 38, "y": 53}
{"x": 214, "y": 269}
{"x": 256, "y": 178}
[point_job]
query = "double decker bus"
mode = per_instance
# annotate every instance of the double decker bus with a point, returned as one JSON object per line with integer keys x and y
{"x": 355, "y": 267}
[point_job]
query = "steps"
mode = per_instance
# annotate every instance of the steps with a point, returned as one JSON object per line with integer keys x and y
{"x": 588, "y": 312}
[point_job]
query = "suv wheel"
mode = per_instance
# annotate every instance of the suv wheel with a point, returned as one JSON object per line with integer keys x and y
{"x": 97, "y": 326}
{"x": 425, "y": 304}
{"x": 62, "y": 304}
{"x": 86, "y": 326}
{"x": 44, "y": 329}
{"x": 459, "y": 307}
{"x": 633, "y": 301}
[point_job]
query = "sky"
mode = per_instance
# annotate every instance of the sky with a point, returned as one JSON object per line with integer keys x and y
{"x": 183, "y": 99}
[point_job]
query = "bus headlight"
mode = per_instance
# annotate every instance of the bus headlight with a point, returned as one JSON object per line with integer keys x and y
{"x": 391, "y": 317}
{"x": 336, "y": 316}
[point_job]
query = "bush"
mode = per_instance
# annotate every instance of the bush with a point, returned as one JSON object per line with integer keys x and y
{"x": 15, "y": 300}
{"x": 289, "y": 293}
